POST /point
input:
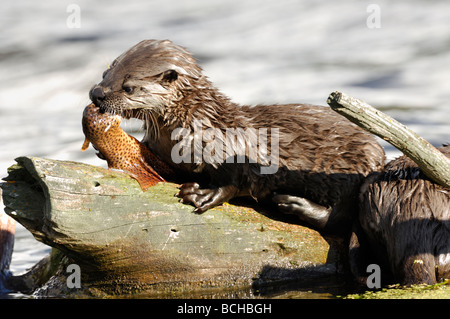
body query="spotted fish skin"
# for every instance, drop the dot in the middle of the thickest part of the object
(121, 150)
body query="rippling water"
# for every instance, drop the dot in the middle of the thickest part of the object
(255, 51)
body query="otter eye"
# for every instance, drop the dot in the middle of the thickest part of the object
(128, 89)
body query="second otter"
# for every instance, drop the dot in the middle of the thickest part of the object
(403, 226)
(323, 158)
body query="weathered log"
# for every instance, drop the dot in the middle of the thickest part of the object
(432, 162)
(126, 240)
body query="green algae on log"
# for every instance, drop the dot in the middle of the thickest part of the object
(127, 241)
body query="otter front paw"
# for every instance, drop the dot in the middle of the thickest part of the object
(204, 198)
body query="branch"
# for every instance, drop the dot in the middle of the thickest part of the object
(432, 162)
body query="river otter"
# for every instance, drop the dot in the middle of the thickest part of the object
(404, 226)
(317, 160)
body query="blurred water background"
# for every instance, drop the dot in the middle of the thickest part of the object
(393, 55)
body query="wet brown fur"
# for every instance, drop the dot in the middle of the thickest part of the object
(323, 157)
(404, 225)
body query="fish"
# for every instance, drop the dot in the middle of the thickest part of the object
(121, 150)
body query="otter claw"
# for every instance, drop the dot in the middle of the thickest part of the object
(202, 199)
(205, 198)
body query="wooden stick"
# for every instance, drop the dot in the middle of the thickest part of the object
(432, 162)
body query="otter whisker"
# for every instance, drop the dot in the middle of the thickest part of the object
(150, 122)
(155, 125)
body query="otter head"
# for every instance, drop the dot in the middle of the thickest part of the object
(146, 80)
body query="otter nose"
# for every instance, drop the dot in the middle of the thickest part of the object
(97, 95)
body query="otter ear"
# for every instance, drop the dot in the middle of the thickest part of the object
(169, 76)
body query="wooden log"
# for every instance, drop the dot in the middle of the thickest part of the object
(126, 240)
(432, 162)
